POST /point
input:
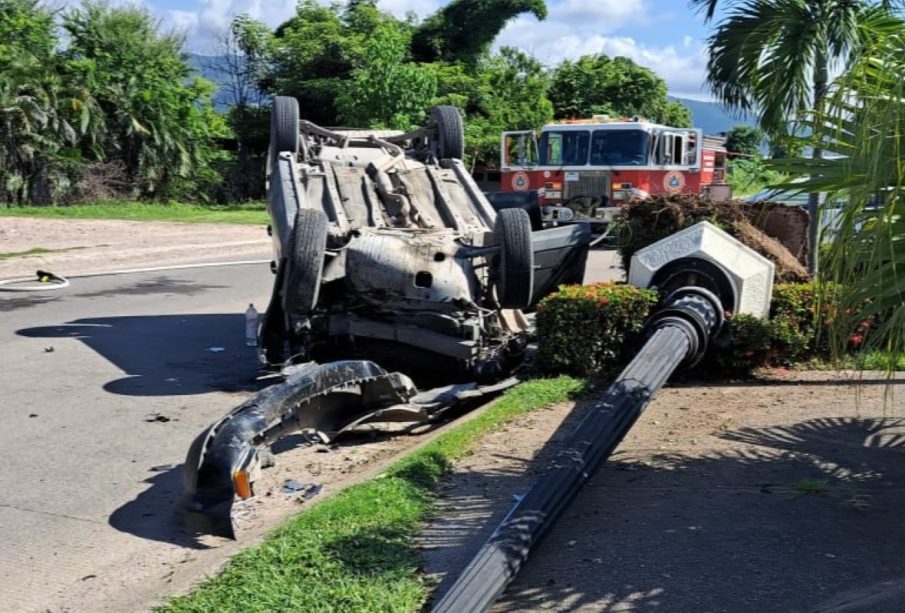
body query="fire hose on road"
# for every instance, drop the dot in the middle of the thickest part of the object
(703, 273)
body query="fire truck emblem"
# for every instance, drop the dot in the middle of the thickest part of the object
(673, 181)
(520, 181)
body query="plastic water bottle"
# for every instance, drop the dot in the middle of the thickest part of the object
(251, 326)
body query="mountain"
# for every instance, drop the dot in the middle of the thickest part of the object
(212, 68)
(712, 117)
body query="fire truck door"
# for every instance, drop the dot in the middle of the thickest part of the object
(518, 150)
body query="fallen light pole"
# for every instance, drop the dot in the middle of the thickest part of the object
(702, 273)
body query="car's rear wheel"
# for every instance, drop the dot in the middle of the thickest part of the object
(284, 125)
(516, 268)
(450, 133)
(305, 262)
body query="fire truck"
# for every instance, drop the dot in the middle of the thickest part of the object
(583, 169)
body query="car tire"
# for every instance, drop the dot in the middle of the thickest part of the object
(284, 125)
(450, 133)
(305, 262)
(515, 283)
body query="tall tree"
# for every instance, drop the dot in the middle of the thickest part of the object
(387, 90)
(159, 121)
(744, 139)
(597, 84)
(862, 122)
(464, 30)
(43, 111)
(773, 58)
(315, 52)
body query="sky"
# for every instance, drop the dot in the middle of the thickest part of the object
(664, 35)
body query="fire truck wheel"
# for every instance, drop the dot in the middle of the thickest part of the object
(450, 137)
(516, 270)
(284, 125)
(305, 262)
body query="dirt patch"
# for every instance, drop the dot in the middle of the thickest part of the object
(779, 496)
(80, 246)
(647, 221)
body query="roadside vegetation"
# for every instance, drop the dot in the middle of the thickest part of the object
(97, 103)
(244, 213)
(354, 551)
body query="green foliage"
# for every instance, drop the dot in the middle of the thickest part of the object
(253, 213)
(507, 91)
(751, 175)
(744, 139)
(862, 123)
(749, 346)
(387, 91)
(315, 53)
(597, 84)
(117, 93)
(793, 316)
(159, 123)
(772, 56)
(588, 330)
(355, 551)
(463, 30)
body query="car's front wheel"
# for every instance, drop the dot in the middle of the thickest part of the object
(515, 282)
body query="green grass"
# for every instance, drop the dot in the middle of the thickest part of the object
(354, 551)
(32, 251)
(868, 360)
(811, 486)
(252, 213)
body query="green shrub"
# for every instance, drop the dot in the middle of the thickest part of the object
(750, 343)
(587, 330)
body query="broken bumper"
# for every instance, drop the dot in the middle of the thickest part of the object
(223, 461)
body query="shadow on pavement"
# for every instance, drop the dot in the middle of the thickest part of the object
(158, 285)
(802, 517)
(166, 355)
(153, 514)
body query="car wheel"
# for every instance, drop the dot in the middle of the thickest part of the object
(284, 125)
(515, 282)
(305, 262)
(450, 136)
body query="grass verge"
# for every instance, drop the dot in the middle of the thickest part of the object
(251, 213)
(32, 251)
(353, 552)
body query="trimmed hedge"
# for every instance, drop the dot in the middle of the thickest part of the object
(588, 330)
(591, 330)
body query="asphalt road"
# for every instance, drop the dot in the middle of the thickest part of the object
(104, 386)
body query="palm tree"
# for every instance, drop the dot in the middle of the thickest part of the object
(774, 57)
(863, 120)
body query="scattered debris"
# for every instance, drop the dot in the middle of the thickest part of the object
(157, 417)
(49, 349)
(32, 414)
(306, 491)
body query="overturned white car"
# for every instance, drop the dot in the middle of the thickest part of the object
(388, 258)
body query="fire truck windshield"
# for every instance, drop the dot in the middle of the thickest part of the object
(566, 148)
(619, 148)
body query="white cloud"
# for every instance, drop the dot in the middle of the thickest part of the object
(422, 8)
(580, 27)
(203, 26)
(572, 28)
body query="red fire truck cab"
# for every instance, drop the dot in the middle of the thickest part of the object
(580, 168)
